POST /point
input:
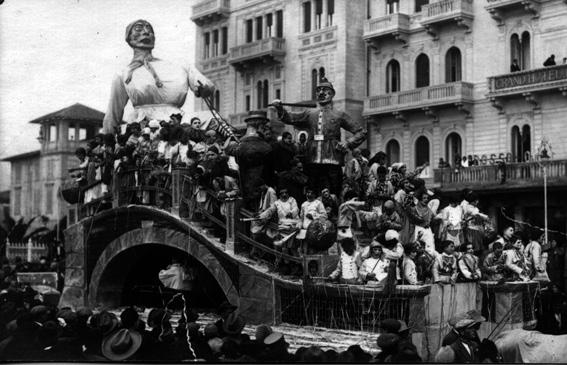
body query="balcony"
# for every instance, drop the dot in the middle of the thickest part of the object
(497, 8)
(392, 25)
(527, 84)
(502, 177)
(210, 11)
(456, 94)
(267, 51)
(442, 12)
(214, 64)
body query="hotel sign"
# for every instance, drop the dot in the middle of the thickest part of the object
(533, 77)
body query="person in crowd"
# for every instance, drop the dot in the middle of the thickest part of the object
(445, 267)
(420, 215)
(331, 203)
(469, 269)
(452, 223)
(311, 209)
(536, 259)
(325, 156)
(251, 154)
(276, 349)
(515, 67)
(347, 212)
(375, 268)
(505, 239)
(516, 264)
(389, 219)
(294, 180)
(493, 265)
(550, 61)
(465, 348)
(474, 221)
(409, 269)
(284, 152)
(347, 270)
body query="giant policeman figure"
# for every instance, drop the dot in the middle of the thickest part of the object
(325, 150)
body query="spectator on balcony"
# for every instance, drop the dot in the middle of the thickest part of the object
(294, 181)
(515, 67)
(464, 162)
(442, 164)
(445, 267)
(493, 265)
(550, 61)
(468, 264)
(347, 270)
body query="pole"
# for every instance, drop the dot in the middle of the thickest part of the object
(545, 202)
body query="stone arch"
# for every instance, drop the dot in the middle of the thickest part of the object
(167, 237)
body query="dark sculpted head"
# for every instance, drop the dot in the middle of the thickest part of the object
(140, 34)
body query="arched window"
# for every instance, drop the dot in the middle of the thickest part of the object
(393, 151)
(422, 151)
(265, 95)
(521, 143)
(520, 50)
(453, 148)
(321, 73)
(453, 70)
(422, 71)
(259, 94)
(516, 144)
(526, 141)
(393, 76)
(216, 100)
(392, 6)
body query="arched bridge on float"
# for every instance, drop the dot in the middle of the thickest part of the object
(106, 253)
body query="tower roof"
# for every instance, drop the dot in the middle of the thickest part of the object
(76, 111)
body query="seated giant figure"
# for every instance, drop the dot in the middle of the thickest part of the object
(156, 88)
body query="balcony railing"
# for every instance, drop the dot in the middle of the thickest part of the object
(396, 25)
(212, 64)
(497, 8)
(264, 50)
(210, 10)
(503, 176)
(459, 11)
(438, 95)
(538, 80)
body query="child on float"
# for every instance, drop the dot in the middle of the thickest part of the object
(349, 263)
(468, 264)
(445, 266)
(493, 264)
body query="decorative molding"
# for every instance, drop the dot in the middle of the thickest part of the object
(532, 100)
(431, 113)
(496, 103)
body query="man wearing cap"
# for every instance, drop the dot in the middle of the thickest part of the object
(251, 154)
(325, 151)
(156, 88)
(465, 348)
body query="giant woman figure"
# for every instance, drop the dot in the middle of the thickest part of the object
(155, 87)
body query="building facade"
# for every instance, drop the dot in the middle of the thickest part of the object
(430, 79)
(37, 176)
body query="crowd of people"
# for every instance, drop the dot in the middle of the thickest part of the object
(32, 330)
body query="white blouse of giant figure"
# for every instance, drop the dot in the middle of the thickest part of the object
(155, 87)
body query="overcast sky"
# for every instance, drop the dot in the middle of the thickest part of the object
(54, 53)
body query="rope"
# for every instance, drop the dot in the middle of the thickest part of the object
(503, 211)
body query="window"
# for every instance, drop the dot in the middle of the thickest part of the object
(224, 40)
(520, 50)
(453, 149)
(392, 6)
(265, 95)
(52, 133)
(318, 13)
(419, 5)
(521, 143)
(393, 151)
(321, 73)
(422, 71)
(393, 76)
(17, 201)
(216, 100)
(269, 25)
(48, 198)
(215, 43)
(259, 94)
(306, 16)
(249, 31)
(72, 132)
(259, 25)
(330, 12)
(82, 134)
(278, 94)
(247, 106)
(453, 65)
(279, 23)
(207, 48)
(422, 151)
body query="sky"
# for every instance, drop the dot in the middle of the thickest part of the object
(55, 53)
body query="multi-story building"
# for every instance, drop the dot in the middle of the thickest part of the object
(37, 175)
(431, 79)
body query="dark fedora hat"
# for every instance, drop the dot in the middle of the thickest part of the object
(121, 344)
(233, 324)
(256, 115)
